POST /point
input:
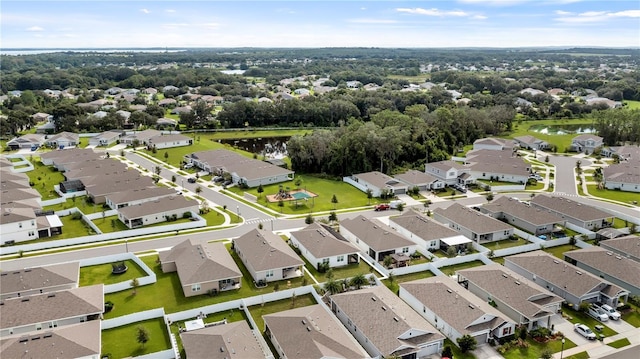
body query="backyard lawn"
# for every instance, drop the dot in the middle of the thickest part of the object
(110, 224)
(167, 292)
(535, 349)
(79, 202)
(101, 273)
(347, 271)
(450, 270)
(632, 316)
(73, 228)
(257, 311)
(507, 243)
(632, 104)
(120, 342)
(347, 195)
(558, 251)
(621, 196)
(395, 285)
(44, 178)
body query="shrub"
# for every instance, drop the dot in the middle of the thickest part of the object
(108, 306)
(187, 214)
(447, 352)
(583, 307)
(467, 343)
(541, 332)
(76, 216)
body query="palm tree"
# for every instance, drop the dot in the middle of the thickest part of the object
(598, 176)
(198, 189)
(358, 280)
(134, 284)
(332, 286)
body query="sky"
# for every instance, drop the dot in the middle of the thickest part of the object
(304, 23)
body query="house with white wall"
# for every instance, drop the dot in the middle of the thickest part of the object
(322, 245)
(375, 238)
(577, 213)
(428, 234)
(472, 224)
(157, 211)
(520, 215)
(169, 141)
(586, 143)
(449, 172)
(38, 280)
(422, 180)
(622, 177)
(376, 182)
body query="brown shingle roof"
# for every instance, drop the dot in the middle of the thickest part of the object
(39, 278)
(160, 205)
(265, 250)
(375, 234)
(570, 208)
(415, 177)
(521, 211)
(228, 341)
(140, 194)
(609, 263)
(245, 167)
(423, 226)
(312, 332)
(380, 179)
(472, 219)
(627, 244)
(323, 242)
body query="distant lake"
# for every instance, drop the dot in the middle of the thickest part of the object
(272, 147)
(233, 72)
(562, 129)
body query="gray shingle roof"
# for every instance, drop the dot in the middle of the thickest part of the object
(312, 332)
(472, 219)
(228, 341)
(623, 172)
(39, 278)
(140, 194)
(375, 234)
(230, 161)
(627, 244)
(265, 250)
(423, 226)
(570, 208)
(323, 242)
(609, 263)
(379, 179)
(521, 211)
(158, 206)
(415, 178)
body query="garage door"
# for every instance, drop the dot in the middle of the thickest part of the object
(481, 339)
(430, 349)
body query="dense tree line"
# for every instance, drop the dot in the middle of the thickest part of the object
(619, 126)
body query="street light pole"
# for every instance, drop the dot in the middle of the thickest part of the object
(562, 350)
(126, 245)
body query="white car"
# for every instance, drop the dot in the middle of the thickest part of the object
(612, 313)
(597, 313)
(584, 331)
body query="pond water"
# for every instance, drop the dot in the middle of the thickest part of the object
(562, 129)
(272, 147)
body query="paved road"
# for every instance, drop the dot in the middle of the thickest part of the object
(565, 178)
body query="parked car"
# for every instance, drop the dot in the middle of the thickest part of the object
(381, 207)
(192, 180)
(597, 313)
(227, 182)
(584, 331)
(612, 313)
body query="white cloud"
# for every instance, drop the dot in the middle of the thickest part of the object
(433, 12)
(494, 2)
(479, 17)
(35, 29)
(145, 11)
(170, 11)
(596, 16)
(563, 13)
(371, 21)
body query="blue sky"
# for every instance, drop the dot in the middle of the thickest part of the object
(454, 23)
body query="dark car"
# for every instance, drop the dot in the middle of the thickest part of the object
(191, 180)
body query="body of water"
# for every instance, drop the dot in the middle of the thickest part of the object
(562, 129)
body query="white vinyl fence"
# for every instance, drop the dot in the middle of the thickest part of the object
(150, 278)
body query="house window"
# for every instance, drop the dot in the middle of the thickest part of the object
(506, 331)
(269, 274)
(196, 287)
(325, 261)
(432, 244)
(340, 258)
(39, 326)
(405, 250)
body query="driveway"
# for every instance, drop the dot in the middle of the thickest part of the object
(565, 181)
(566, 327)
(486, 351)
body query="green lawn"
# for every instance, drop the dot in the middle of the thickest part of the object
(507, 243)
(620, 343)
(449, 270)
(79, 202)
(632, 104)
(101, 273)
(560, 141)
(581, 355)
(257, 311)
(167, 292)
(535, 349)
(72, 228)
(347, 195)
(347, 271)
(395, 285)
(44, 178)
(110, 224)
(621, 196)
(558, 251)
(580, 317)
(633, 316)
(121, 342)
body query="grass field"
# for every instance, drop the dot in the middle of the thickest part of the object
(73, 228)
(110, 224)
(450, 270)
(632, 105)
(395, 285)
(347, 195)
(121, 342)
(560, 141)
(44, 178)
(558, 251)
(535, 349)
(101, 273)
(581, 355)
(507, 243)
(620, 343)
(581, 317)
(347, 271)
(79, 202)
(633, 316)
(257, 311)
(621, 196)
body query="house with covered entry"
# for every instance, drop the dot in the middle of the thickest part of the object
(422, 180)
(531, 219)
(157, 211)
(428, 234)
(450, 172)
(105, 138)
(385, 325)
(377, 240)
(586, 143)
(322, 245)
(169, 141)
(63, 140)
(132, 197)
(267, 257)
(501, 166)
(577, 213)
(30, 140)
(472, 224)
(203, 268)
(493, 144)
(615, 268)
(376, 182)
(523, 301)
(233, 340)
(454, 311)
(529, 142)
(622, 177)
(574, 285)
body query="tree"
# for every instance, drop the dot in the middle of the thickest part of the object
(447, 352)
(260, 190)
(298, 182)
(329, 272)
(400, 207)
(173, 178)
(467, 343)
(546, 159)
(572, 241)
(142, 335)
(198, 189)
(166, 156)
(489, 197)
(369, 195)
(332, 286)
(157, 170)
(333, 216)
(598, 177)
(358, 280)
(134, 284)
(308, 219)
(387, 261)
(334, 200)
(546, 354)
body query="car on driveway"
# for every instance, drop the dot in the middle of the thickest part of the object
(612, 313)
(584, 331)
(381, 207)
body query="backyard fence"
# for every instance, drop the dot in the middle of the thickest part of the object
(586, 232)
(150, 278)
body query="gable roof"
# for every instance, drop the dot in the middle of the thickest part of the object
(227, 341)
(379, 179)
(70, 155)
(560, 273)
(415, 178)
(41, 308)
(608, 263)
(168, 138)
(515, 291)
(385, 319)
(570, 208)
(69, 136)
(623, 173)
(70, 341)
(446, 165)
(265, 250)
(160, 205)
(588, 136)
(528, 139)
(493, 141)
(12, 215)
(526, 213)
(322, 241)
(458, 307)
(232, 162)
(140, 194)
(423, 226)
(472, 219)
(312, 332)
(630, 245)
(375, 234)
(39, 278)
(201, 263)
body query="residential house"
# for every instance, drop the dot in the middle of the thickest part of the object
(529, 142)
(17, 224)
(133, 197)
(226, 341)
(377, 182)
(243, 170)
(105, 138)
(30, 140)
(503, 166)
(624, 153)
(623, 177)
(472, 224)
(167, 102)
(454, 311)
(586, 143)
(609, 233)
(449, 172)
(615, 268)
(385, 325)
(581, 215)
(531, 219)
(628, 246)
(202, 268)
(142, 137)
(41, 117)
(89, 170)
(62, 158)
(322, 245)
(565, 280)
(267, 257)
(98, 188)
(427, 233)
(493, 144)
(310, 332)
(523, 301)
(157, 211)
(40, 312)
(38, 280)
(76, 341)
(377, 239)
(422, 180)
(603, 101)
(169, 141)
(63, 139)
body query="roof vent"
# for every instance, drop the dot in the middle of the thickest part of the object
(23, 340)
(505, 275)
(396, 319)
(308, 329)
(517, 283)
(471, 306)
(556, 261)
(578, 272)
(221, 350)
(449, 290)
(618, 257)
(25, 300)
(384, 308)
(609, 253)
(51, 296)
(304, 322)
(373, 299)
(47, 335)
